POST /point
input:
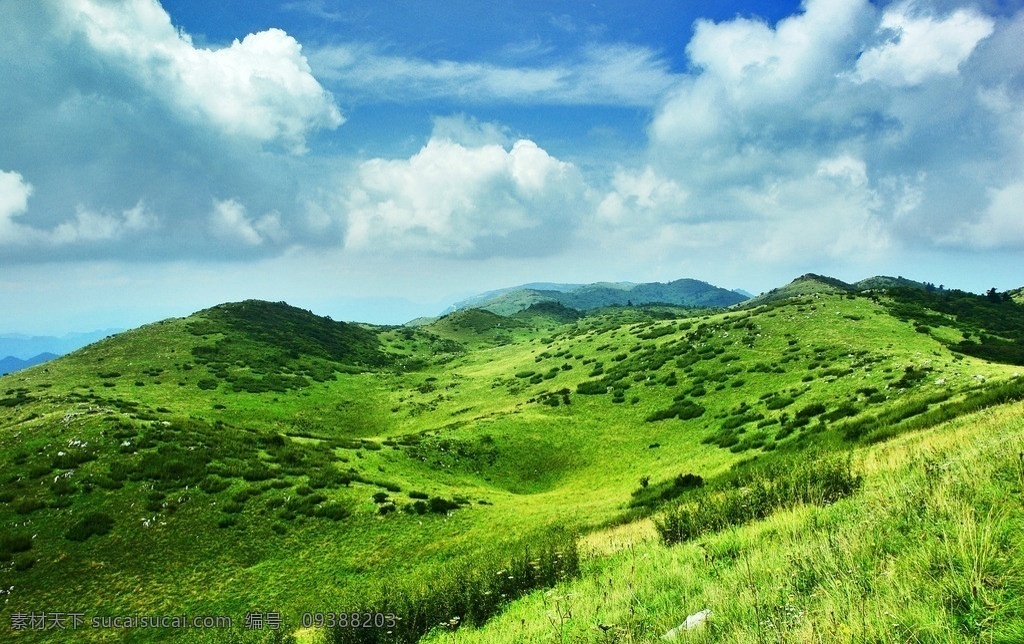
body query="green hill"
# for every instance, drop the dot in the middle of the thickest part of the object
(809, 284)
(1017, 295)
(885, 282)
(255, 457)
(586, 297)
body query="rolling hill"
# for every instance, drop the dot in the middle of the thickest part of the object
(545, 474)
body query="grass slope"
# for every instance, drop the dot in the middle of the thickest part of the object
(255, 457)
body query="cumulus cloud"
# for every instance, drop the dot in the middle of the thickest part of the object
(229, 221)
(921, 46)
(640, 198)
(14, 194)
(86, 226)
(453, 199)
(845, 129)
(1001, 225)
(259, 87)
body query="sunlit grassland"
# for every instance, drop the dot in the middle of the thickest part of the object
(494, 419)
(929, 550)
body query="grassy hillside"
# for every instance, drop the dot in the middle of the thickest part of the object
(256, 457)
(928, 550)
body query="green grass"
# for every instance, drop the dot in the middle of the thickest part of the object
(261, 466)
(927, 551)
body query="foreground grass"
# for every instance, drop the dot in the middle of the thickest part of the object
(928, 551)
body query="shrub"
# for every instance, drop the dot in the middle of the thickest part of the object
(683, 410)
(814, 409)
(591, 387)
(28, 505)
(336, 511)
(94, 523)
(440, 505)
(214, 484)
(11, 544)
(779, 402)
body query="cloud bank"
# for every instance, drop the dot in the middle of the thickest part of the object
(844, 130)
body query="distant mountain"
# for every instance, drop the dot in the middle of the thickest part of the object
(585, 297)
(1017, 295)
(26, 347)
(10, 364)
(473, 301)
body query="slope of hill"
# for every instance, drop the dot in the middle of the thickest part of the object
(1017, 295)
(256, 457)
(586, 297)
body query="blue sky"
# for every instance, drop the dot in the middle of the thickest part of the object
(377, 161)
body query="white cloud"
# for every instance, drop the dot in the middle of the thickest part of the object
(749, 75)
(921, 47)
(230, 221)
(87, 225)
(599, 75)
(469, 131)
(259, 87)
(92, 226)
(778, 127)
(14, 194)
(830, 214)
(1001, 225)
(639, 198)
(452, 199)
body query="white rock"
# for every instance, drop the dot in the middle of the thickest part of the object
(692, 622)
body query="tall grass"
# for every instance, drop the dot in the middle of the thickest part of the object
(467, 593)
(756, 493)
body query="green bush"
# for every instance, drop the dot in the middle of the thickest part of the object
(591, 387)
(12, 544)
(779, 402)
(334, 511)
(440, 505)
(683, 410)
(94, 523)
